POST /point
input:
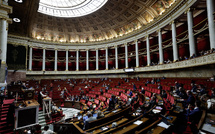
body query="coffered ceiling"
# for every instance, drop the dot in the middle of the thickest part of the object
(116, 18)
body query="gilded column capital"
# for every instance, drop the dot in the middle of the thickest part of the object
(189, 9)
(3, 62)
(147, 36)
(159, 30)
(172, 22)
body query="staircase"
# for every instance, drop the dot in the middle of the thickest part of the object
(42, 120)
(5, 128)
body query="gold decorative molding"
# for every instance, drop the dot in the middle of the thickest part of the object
(3, 62)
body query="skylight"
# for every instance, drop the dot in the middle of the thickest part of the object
(69, 8)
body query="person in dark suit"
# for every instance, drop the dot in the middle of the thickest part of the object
(201, 90)
(193, 116)
(134, 87)
(182, 94)
(159, 86)
(143, 91)
(193, 87)
(190, 99)
(112, 102)
(163, 94)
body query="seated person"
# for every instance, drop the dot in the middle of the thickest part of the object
(213, 93)
(47, 130)
(190, 99)
(90, 118)
(55, 108)
(100, 114)
(201, 90)
(182, 94)
(143, 91)
(163, 94)
(129, 102)
(130, 93)
(193, 87)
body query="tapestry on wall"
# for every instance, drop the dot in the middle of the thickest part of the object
(16, 57)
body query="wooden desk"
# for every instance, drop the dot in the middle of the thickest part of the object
(158, 129)
(110, 125)
(130, 127)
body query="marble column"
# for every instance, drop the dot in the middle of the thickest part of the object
(174, 42)
(3, 40)
(30, 58)
(67, 60)
(192, 45)
(116, 57)
(87, 59)
(137, 53)
(211, 25)
(148, 51)
(77, 60)
(44, 60)
(97, 59)
(55, 61)
(160, 46)
(4, 20)
(126, 55)
(106, 58)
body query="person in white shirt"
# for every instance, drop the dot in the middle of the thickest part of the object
(47, 131)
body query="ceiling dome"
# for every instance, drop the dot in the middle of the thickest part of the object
(115, 19)
(69, 8)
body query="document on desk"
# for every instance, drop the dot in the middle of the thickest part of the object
(208, 128)
(138, 122)
(164, 125)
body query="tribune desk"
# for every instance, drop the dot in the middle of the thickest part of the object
(26, 114)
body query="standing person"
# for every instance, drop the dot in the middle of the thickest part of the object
(134, 87)
(40, 97)
(112, 102)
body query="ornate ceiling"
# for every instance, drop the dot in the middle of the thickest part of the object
(116, 18)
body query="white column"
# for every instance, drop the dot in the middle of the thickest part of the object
(137, 53)
(211, 25)
(30, 59)
(106, 58)
(97, 59)
(77, 60)
(148, 51)
(190, 32)
(116, 57)
(67, 60)
(87, 59)
(3, 40)
(174, 42)
(126, 55)
(55, 61)
(160, 46)
(44, 59)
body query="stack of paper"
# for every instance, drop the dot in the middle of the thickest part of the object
(164, 125)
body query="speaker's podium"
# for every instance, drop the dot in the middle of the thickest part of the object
(26, 114)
